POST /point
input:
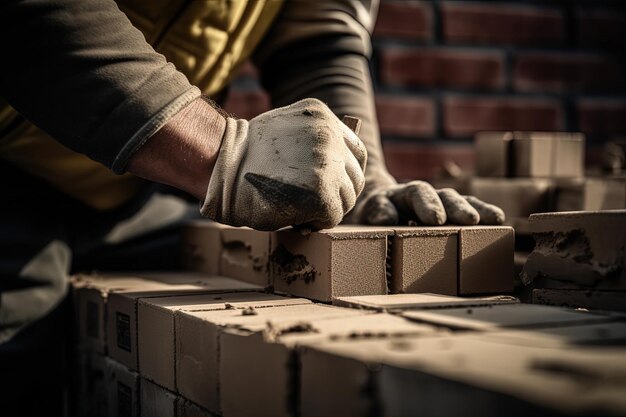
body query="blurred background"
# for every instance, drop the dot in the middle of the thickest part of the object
(444, 70)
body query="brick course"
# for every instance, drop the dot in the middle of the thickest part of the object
(405, 20)
(438, 68)
(501, 24)
(463, 116)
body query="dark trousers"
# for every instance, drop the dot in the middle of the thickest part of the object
(45, 236)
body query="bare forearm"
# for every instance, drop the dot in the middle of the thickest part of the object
(183, 153)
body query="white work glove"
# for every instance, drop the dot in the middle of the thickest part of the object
(418, 201)
(294, 165)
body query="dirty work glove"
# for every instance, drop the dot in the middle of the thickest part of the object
(294, 165)
(418, 201)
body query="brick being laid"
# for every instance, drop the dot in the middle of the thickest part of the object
(343, 261)
(452, 260)
(424, 259)
(578, 250)
(121, 307)
(262, 366)
(199, 356)
(156, 327)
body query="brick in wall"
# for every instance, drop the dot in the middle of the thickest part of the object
(546, 71)
(410, 161)
(247, 104)
(405, 116)
(602, 116)
(601, 27)
(430, 67)
(500, 24)
(404, 20)
(464, 116)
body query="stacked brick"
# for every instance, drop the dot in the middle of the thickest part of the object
(206, 345)
(445, 70)
(353, 261)
(578, 260)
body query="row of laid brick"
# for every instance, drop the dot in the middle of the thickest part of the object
(462, 116)
(501, 23)
(357, 260)
(265, 357)
(106, 388)
(462, 69)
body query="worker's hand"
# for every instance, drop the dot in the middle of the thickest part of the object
(419, 201)
(295, 165)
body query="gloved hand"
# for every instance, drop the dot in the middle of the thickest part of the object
(294, 165)
(418, 201)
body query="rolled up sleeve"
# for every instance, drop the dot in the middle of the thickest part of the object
(80, 71)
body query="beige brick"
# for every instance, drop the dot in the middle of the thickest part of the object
(198, 339)
(495, 317)
(486, 259)
(90, 294)
(424, 259)
(186, 408)
(578, 250)
(122, 390)
(245, 255)
(584, 298)
(518, 197)
(530, 154)
(156, 401)
(331, 263)
(567, 336)
(262, 366)
(590, 194)
(201, 246)
(90, 389)
(418, 375)
(121, 312)
(156, 326)
(496, 378)
(419, 301)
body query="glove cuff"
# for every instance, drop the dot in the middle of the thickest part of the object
(219, 201)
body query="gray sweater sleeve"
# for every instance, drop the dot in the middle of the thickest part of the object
(80, 71)
(321, 49)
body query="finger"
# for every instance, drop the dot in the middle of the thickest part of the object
(425, 203)
(458, 209)
(379, 211)
(355, 174)
(489, 214)
(355, 145)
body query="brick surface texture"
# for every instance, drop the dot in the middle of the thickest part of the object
(444, 70)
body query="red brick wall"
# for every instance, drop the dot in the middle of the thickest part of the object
(444, 70)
